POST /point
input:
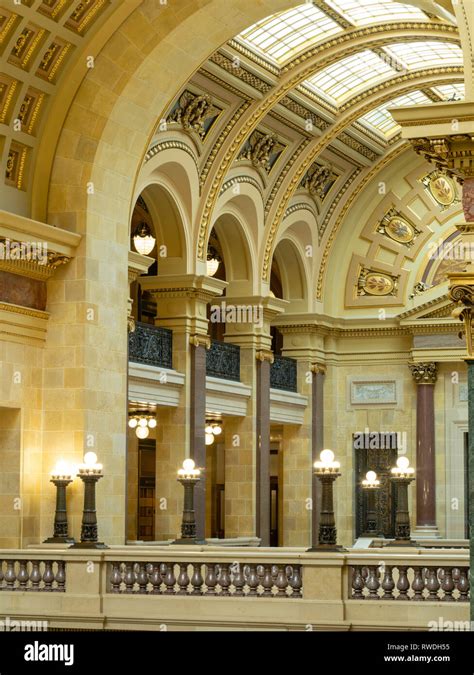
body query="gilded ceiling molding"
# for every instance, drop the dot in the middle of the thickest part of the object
(321, 143)
(390, 157)
(224, 84)
(253, 56)
(171, 145)
(241, 179)
(304, 67)
(340, 193)
(244, 75)
(301, 206)
(283, 173)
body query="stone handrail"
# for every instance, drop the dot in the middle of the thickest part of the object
(140, 587)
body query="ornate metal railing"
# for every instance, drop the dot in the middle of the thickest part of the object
(214, 579)
(152, 345)
(283, 374)
(223, 361)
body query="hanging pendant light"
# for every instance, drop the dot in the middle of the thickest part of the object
(143, 238)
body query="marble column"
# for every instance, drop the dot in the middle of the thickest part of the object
(264, 361)
(425, 375)
(317, 443)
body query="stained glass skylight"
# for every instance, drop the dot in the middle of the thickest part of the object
(364, 12)
(282, 36)
(346, 77)
(426, 53)
(450, 91)
(381, 119)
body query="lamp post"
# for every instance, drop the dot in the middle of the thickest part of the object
(188, 476)
(370, 485)
(402, 476)
(327, 470)
(90, 473)
(61, 477)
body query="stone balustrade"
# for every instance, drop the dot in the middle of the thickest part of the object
(181, 587)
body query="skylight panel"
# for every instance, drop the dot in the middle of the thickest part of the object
(426, 53)
(282, 36)
(364, 12)
(381, 119)
(344, 78)
(450, 91)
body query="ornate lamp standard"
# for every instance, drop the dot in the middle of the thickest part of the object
(61, 477)
(402, 476)
(370, 485)
(90, 473)
(188, 476)
(327, 470)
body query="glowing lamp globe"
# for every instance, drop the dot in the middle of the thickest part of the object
(327, 456)
(90, 458)
(142, 432)
(371, 476)
(403, 463)
(132, 422)
(188, 465)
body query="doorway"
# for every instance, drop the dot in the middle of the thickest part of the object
(146, 490)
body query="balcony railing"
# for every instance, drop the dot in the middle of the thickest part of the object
(223, 361)
(188, 587)
(151, 345)
(283, 374)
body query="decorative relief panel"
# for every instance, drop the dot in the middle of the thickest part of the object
(29, 110)
(318, 180)
(374, 282)
(84, 15)
(441, 188)
(376, 391)
(398, 228)
(8, 89)
(26, 45)
(53, 59)
(263, 150)
(54, 9)
(195, 113)
(16, 161)
(8, 21)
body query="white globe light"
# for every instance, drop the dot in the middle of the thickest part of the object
(90, 458)
(371, 476)
(403, 462)
(132, 422)
(327, 456)
(188, 465)
(142, 432)
(143, 239)
(152, 422)
(212, 266)
(209, 439)
(142, 422)
(217, 430)
(208, 429)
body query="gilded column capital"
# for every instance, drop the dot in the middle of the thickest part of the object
(318, 368)
(424, 373)
(200, 341)
(265, 355)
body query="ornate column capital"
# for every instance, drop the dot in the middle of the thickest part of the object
(424, 373)
(318, 368)
(200, 341)
(264, 355)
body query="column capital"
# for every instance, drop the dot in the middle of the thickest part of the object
(200, 341)
(318, 368)
(138, 264)
(424, 373)
(265, 355)
(198, 287)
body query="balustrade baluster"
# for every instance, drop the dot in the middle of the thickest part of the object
(239, 580)
(447, 585)
(432, 584)
(183, 579)
(463, 584)
(403, 584)
(196, 579)
(142, 578)
(388, 584)
(281, 582)
(373, 583)
(156, 579)
(357, 583)
(116, 577)
(48, 576)
(1, 575)
(267, 581)
(252, 580)
(211, 579)
(129, 577)
(61, 577)
(10, 575)
(418, 584)
(170, 579)
(296, 581)
(224, 579)
(23, 575)
(35, 576)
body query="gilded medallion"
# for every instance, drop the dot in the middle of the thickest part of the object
(378, 284)
(400, 230)
(443, 190)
